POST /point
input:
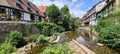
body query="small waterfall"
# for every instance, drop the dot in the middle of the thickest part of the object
(62, 38)
(57, 40)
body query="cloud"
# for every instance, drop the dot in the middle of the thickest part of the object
(74, 5)
(60, 4)
(42, 2)
(78, 13)
(79, 5)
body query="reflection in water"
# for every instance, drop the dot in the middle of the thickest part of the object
(63, 38)
(83, 37)
(37, 49)
(82, 40)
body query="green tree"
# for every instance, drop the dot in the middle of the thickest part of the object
(74, 23)
(65, 17)
(53, 13)
(65, 12)
(69, 23)
(48, 29)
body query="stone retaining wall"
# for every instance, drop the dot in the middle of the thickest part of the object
(25, 28)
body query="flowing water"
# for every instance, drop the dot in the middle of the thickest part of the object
(37, 49)
(82, 37)
(85, 38)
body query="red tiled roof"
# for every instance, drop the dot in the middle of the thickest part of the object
(42, 9)
(25, 5)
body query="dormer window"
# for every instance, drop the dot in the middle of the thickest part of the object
(37, 12)
(29, 4)
(29, 9)
(21, 1)
(19, 6)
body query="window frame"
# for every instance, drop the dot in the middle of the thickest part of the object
(21, 1)
(29, 9)
(19, 6)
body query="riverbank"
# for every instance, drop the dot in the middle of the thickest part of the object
(99, 48)
(89, 42)
(80, 35)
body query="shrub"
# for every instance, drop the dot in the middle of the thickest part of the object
(56, 34)
(48, 29)
(41, 39)
(7, 48)
(13, 38)
(31, 38)
(37, 38)
(57, 49)
(109, 31)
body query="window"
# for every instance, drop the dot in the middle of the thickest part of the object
(29, 9)
(37, 12)
(21, 1)
(22, 15)
(29, 5)
(2, 10)
(14, 12)
(19, 6)
(36, 18)
(18, 14)
(40, 18)
(32, 17)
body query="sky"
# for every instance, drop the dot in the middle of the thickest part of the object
(77, 8)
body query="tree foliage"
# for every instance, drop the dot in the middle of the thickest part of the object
(7, 48)
(109, 31)
(11, 41)
(62, 17)
(41, 39)
(65, 12)
(48, 29)
(13, 37)
(53, 13)
(69, 23)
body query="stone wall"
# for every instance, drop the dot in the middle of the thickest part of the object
(26, 29)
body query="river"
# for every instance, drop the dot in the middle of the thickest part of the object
(85, 38)
(82, 37)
